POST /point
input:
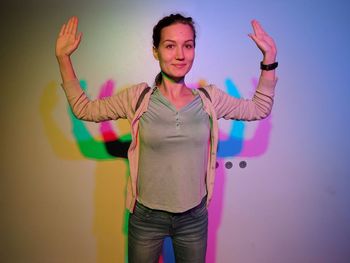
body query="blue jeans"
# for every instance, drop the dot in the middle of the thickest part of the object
(149, 227)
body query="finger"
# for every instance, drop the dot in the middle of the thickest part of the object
(75, 26)
(79, 37)
(70, 25)
(254, 27)
(258, 28)
(258, 42)
(254, 38)
(77, 40)
(62, 31)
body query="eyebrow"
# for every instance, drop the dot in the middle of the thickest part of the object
(173, 41)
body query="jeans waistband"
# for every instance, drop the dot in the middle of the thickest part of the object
(202, 203)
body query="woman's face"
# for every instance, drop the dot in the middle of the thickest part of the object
(176, 50)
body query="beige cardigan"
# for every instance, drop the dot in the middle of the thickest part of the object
(122, 105)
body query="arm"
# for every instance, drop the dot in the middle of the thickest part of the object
(98, 110)
(257, 108)
(260, 105)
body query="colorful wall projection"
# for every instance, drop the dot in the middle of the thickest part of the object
(282, 184)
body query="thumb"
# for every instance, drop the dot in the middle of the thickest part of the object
(77, 40)
(253, 37)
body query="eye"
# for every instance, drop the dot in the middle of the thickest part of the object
(189, 46)
(170, 46)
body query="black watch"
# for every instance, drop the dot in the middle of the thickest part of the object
(269, 66)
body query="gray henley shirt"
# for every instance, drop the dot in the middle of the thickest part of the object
(173, 154)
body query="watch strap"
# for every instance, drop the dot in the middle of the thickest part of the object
(269, 66)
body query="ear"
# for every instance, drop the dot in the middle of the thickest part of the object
(155, 53)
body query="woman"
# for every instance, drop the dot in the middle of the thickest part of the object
(174, 130)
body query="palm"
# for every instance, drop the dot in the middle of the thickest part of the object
(68, 40)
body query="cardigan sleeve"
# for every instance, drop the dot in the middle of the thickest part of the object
(109, 108)
(256, 108)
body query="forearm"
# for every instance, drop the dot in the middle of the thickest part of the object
(66, 68)
(75, 95)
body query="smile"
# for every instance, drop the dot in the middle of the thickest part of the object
(179, 65)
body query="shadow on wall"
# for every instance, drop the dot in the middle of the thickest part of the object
(110, 154)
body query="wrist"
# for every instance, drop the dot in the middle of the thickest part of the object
(62, 58)
(269, 58)
(268, 67)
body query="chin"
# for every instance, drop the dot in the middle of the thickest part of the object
(175, 75)
(178, 75)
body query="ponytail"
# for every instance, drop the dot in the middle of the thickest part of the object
(158, 79)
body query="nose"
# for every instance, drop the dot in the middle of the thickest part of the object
(179, 53)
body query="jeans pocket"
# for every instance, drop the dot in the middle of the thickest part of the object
(199, 211)
(142, 212)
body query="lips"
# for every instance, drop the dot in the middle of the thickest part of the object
(179, 65)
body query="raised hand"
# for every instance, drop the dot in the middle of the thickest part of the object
(264, 42)
(68, 39)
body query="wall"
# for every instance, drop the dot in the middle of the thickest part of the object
(62, 193)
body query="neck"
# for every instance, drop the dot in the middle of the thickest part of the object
(171, 86)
